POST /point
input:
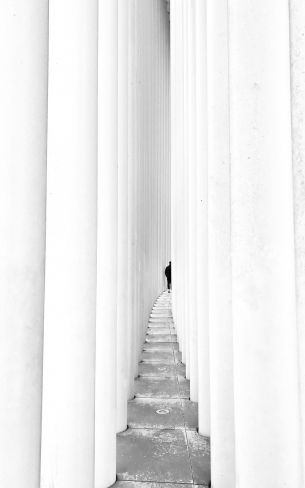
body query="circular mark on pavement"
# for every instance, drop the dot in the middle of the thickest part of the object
(162, 411)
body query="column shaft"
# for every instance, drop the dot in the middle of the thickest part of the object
(132, 189)
(219, 250)
(186, 174)
(69, 338)
(202, 221)
(106, 336)
(122, 327)
(297, 62)
(181, 298)
(265, 349)
(174, 157)
(192, 199)
(23, 124)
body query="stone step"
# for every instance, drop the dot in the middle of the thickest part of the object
(158, 356)
(159, 330)
(160, 346)
(158, 413)
(154, 455)
(157, 370)
(160, 316)
(161, 388)
(161, 338)
(161, 369)
(166, 310)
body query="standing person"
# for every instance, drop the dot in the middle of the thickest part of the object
(168, 274)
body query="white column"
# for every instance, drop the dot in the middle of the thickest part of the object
(23, 123)
(297, 59)
(168, 137)
(219, 252)
(141, 17)
(178, 101)
(192, 200)
(136, 210)
(69, 338)
(132, 188)
(160, 101)
(122, 326)
(185, 183)
(174, 157)
(202, 221)
(107, 250)
(156, 61)
(267, 420)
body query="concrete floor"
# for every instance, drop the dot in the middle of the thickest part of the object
(161, 447)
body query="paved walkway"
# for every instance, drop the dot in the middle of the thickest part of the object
(161, 444)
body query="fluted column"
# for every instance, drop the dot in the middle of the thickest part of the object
(107, 249)
(263, 284)
(23, 124)
(202, 220)
(219, 252)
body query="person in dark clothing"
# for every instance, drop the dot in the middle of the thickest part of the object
(168, 274)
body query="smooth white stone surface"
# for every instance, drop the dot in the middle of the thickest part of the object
(132, 189)
(202, 220)
(263, 267)
(297, 66)
(107, 247)
(192, 215)
(122, 303)
(219, 251)
(69, 339)
(185, 181)
(23, 128)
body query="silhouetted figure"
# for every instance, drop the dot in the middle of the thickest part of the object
(168, 274)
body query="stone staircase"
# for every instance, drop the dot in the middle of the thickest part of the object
(161, 444)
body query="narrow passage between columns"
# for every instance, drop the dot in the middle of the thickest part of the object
(161, 444)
